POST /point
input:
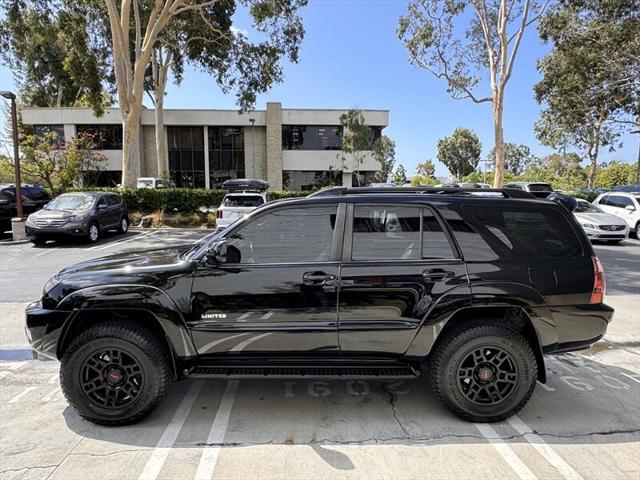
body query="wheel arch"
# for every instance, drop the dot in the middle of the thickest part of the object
(141, 305)
(515, 317)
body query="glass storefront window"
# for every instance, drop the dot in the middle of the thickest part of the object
(186, 156)
(303, 180)
(226, 154)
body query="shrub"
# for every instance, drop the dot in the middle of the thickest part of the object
(184, 200)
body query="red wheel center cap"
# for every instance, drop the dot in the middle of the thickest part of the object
(114, 376)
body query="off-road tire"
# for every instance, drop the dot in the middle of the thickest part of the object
(153, 358)
(456, 346)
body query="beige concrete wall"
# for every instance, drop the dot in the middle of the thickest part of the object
(274, 145)
(261, 152)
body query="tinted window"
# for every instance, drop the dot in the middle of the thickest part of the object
(528, 232)
(53, 133)
(113, 200)
(604, 200)
(242, 201)
(311, 137)
(473, 245)
(283, 236)
(619, 201)
(186, 156)
(386, 233)
(434, 242)
(103, 137)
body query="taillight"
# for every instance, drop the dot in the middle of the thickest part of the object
(599, 284)
(218, 213)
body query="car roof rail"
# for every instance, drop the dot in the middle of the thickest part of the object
(480, 192)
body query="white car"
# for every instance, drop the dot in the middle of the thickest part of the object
(624, 205)
(152, 182)
(245, 195)
(599, 225)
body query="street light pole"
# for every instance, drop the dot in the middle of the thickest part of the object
(253, 144)
(16, 159)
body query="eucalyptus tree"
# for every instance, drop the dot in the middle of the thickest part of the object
(467, 43)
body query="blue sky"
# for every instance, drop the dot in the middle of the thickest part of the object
(351, 57)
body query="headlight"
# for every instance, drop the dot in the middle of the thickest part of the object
(51, 283)
(77, 218)
(588, 225)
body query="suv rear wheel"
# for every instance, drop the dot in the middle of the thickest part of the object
(115, 374)
(123, 227)
(483, 372)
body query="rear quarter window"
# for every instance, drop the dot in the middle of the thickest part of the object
(526, 231)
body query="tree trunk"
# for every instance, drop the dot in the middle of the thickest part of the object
(498, 178)
(161, 157)
(593, 152)
(131, 146)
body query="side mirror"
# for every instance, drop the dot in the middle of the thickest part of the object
(217, 253)
(630, 208)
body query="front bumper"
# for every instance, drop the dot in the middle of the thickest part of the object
(73, 229)
(43, 328)
(598, 234)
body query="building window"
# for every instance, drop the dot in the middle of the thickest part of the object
(103, 137)
(311, 137)
(299, 180)
(43, 131)
(363, 179)
(226, 154)
(103, 178)
(186, 156)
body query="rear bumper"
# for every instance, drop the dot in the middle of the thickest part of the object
(579, 326)
(43, 328)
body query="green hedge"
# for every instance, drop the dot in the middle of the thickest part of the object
(176, 199)
(589, 197)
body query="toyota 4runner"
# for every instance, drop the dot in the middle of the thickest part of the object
(468, 290)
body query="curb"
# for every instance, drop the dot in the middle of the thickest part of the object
(12, 242)
(194, 229)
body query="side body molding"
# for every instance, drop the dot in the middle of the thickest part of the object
(132, 297)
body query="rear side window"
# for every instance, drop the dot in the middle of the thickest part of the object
(604, 200)
(386, 232)
(528, 232)
(540, 187)
(619, 201)
(393, 232)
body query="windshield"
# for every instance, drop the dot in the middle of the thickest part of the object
(242, 201)
(586, 207)
(71, 202)
(540, 187)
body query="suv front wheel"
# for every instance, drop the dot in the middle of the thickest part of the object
(483, 372)
(115, 374)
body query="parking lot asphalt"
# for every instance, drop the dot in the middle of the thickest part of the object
(584, 423)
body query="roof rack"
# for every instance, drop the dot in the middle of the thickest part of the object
(505, 192)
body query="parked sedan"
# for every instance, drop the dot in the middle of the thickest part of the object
(600, 225)
(81, 215)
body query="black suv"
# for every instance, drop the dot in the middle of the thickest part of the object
(471, 286)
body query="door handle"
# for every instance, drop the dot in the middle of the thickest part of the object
(436, 274)
(317, 278)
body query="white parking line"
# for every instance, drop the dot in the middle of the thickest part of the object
(267, 316)
(209, 458)
(130, 239)
(546, 387)
(48, 250)
(21, 394)
(163, 447)
(51, 395)
(543, 449)
(505, 451)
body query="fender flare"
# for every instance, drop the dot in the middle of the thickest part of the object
(127, 297)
